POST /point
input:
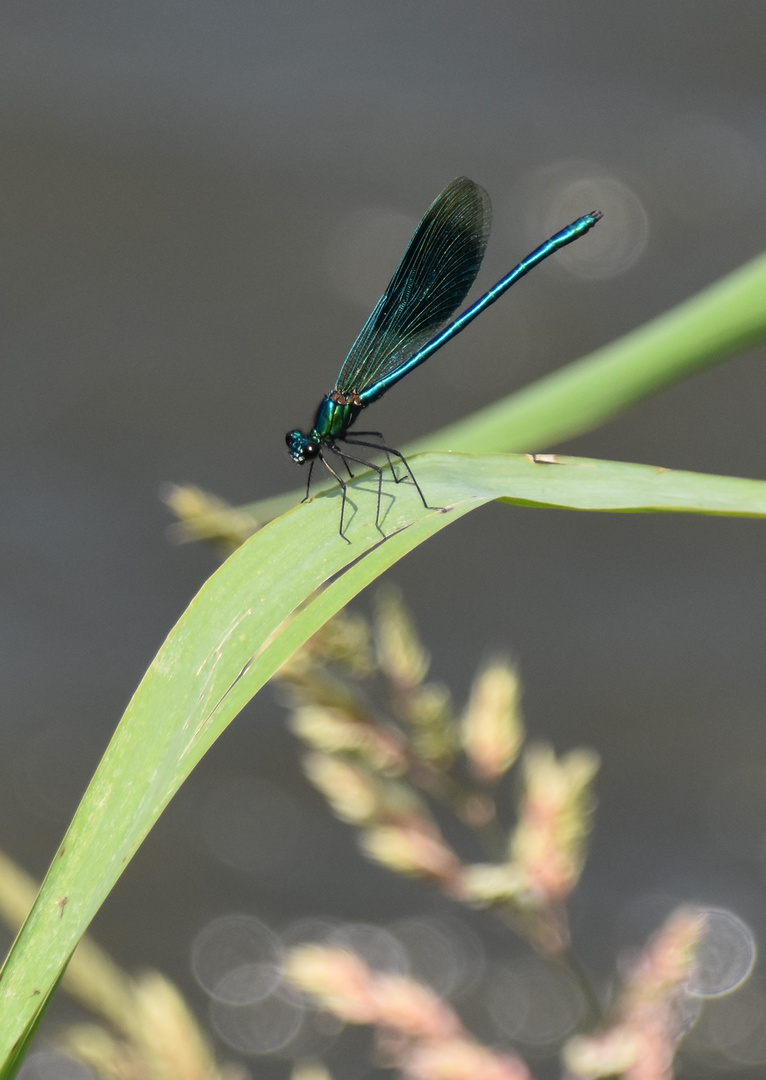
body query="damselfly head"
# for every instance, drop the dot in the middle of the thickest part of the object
(301, 447)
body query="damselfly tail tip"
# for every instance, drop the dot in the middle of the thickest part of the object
(596, 215)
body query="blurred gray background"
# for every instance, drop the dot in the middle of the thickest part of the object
(199, 204)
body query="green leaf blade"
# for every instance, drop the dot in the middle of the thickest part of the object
(247, 619)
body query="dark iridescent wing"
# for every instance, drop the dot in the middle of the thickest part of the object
(438, 268)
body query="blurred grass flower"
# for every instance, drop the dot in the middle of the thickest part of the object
(641, 1042)
(428, 714)
(460, 1059)
(163, 1040)
(368, 770)
(202, 516)
(310, 1069)
(401, 655)
(417, 1032)
(491, 730)
(417, 850)
(350, 790)
(333, 731)
(426, 709)
(549, 841)
(148, 1032)
(344, 642)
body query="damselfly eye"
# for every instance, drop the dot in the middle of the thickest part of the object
(301, 447)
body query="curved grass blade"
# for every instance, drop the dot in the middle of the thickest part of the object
(244, 622)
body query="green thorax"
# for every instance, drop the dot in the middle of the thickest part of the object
(335, 415)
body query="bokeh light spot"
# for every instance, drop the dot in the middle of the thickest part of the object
(236, 959)
(561, 193)
(532, 1003)
(379, 949)
(725, 956)
(250, 824)
(731, 1028)
(442, 952)
(261, 1028)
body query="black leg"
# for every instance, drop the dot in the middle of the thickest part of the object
(344, 489)
(397, 454)
(369, 465)
(308, 481)
(383, 449)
